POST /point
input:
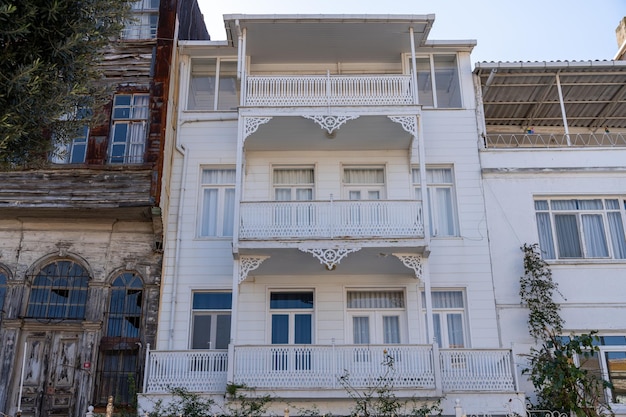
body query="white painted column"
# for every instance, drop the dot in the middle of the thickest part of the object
(413, 67)
(563, 114)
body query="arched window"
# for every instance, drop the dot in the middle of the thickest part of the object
(120, 346)
(125, 306)
(59, 291)
(3, 291)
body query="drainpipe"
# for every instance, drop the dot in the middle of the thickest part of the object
(182, 150)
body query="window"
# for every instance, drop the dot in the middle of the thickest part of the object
(376, 316)
(129, 130)
(438, 74)
(441, 200)
(210, 326)
(448, 318)
(120, 345)
(213, 85)
(59, 292)
(364, 183)
(292, 317)
(293, 184)
(144, 19)
(581, 228)
(74, 150)
(217, 202)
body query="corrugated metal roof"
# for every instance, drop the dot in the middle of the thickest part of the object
(525, 94)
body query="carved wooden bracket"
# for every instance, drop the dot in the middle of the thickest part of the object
(409, 123)
(330, 123)
(411, 261)
(329, 256)
(247, 264)
(251, 124)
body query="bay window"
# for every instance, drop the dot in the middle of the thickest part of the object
(438, 82)
(577, 228)
(440, 199)
(213, 85)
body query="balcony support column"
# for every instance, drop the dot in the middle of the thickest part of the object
(413, 67)
(234, 313)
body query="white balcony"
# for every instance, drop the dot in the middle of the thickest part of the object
(328, 90)
(297, 220)
(552, 140)
(320, 367)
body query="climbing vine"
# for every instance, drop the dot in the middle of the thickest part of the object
(557, 364)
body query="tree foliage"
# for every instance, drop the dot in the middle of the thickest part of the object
(561, 384)
(49, 55)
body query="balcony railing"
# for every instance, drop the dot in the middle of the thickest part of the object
(550, 140)
(328, 90)
(196, 370)
(320, 367)
(331, 219)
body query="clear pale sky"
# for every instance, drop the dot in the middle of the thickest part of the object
(506, 30)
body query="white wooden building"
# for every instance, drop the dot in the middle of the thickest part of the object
(554, 173)
(323, 206)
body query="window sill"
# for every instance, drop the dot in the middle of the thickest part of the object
(585, 261)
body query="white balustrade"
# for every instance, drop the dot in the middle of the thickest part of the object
(196, 370)
(476, 370)
(328, 90)
(331, 219)
(322, 366)
(552, 140)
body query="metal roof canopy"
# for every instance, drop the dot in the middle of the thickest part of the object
(324, 38)
(526, 94)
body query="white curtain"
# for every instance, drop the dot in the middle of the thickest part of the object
(209, 213)
(568, 239)
(363, 176)
(440, 200)
(595, 238)
(616, 227)
(375, 299)
(446, 299)
(229, 212)
(454, 322)
(391, 329)
(218, 176)
(136, 142)
(544, 229)
(361, 330)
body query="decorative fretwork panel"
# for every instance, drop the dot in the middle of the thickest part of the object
(329, 90)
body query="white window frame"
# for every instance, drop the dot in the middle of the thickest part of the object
(613, 236)
(434, 209)
(133, 142)
(365, 189)
(192, 90)
(376, 317)
(443, 339)
(432, 74)
(143, 22)
(222, 189)
(213, 313)
(294, 187)
(291, 313)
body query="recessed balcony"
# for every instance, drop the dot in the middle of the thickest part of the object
(328, 90)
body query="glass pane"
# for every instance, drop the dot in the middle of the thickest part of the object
(391, 329)
(375, 299)
(201, 338)
(222, 336)
(424, 81)
(617, 375)
(541, 205)
(616, 227)
(304, 194)
(229, 212)
(447, 81)
(446, 299)
(212, 301)
(218, 176)
(294, 176)
(228, 96)
(361, 330)
(291, 300)
(280, 329)
(202, 85)
(544, 228)
(282, 194)
(441, 209)
(455, 330)
(439, 176)
(568, 239)
(354, 195)
(373, 195)
(363, 176)
(437, 328)
(209, 213)
(303, 329)
(595, 239)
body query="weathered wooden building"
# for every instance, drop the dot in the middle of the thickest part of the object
(81, 239)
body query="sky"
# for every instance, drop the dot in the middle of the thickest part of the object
(505, 30)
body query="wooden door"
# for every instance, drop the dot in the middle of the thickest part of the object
(50, 383)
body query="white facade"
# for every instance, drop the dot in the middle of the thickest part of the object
(296, 242)
(553, 174)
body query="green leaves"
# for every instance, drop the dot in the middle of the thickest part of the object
(557, 365)
(49, 55)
